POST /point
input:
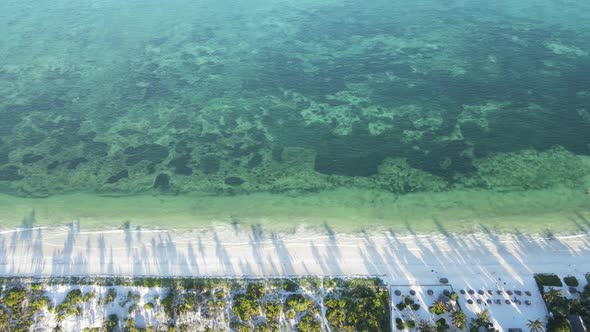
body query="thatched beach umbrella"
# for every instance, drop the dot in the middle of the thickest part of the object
(397, 292)
(480, 292)
(528, 293)
(471, 291)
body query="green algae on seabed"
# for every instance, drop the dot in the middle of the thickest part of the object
(558, 210)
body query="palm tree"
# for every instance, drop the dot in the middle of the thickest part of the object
(483, 317)
(425, 326)
(552, 295)
(459, 319)
(535, 326)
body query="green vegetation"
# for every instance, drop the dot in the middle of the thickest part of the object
(438, 308)
(70, 305)
(482, 320)
(561, 308)
(535, 326)
(459, 319)
(19, 305)
(571, 281)
(360, 307)
(309, 324)
(245, 305)
(548, 280)
(111, 295)
(88, 296)
(299, 303)
(441, 325)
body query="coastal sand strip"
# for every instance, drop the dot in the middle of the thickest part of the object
(227, 251)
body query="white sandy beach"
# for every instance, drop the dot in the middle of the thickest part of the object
(469, 261)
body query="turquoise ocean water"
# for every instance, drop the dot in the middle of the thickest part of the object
(281, 100)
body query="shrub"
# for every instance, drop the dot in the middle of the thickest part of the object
(400, 306)
(88, 296)
(220, 294)
(415, 307)
(36, 287)
(14, 298)
(309, 324)
(290, 286)
(399, 324)
(40, 303)
(111, 324)
(111, 295)
(558, 324)
(299, 303)
(571, 281)
(438, 308)
(441, 325)
(74, 296)
(148, 306)
(256, 290)
(548, 280)
(291, 314)
(336, 313)
(244, 308)
(272, 310)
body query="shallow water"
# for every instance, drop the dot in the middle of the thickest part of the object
(295, 100)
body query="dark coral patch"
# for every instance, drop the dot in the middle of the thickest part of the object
(234, 181)
(30, 158)
(209, 164)
(277, 153)
(3, 157)
(351, 165)
(254, 161)
(162, 181)
(53, 165)
(74, 163)
(10, 173)
(96, 149)
(119, 176)
(181, 165)
(153, 153)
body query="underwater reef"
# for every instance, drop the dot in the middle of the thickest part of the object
(400, 98)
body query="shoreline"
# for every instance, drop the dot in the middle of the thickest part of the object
(552, 211)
